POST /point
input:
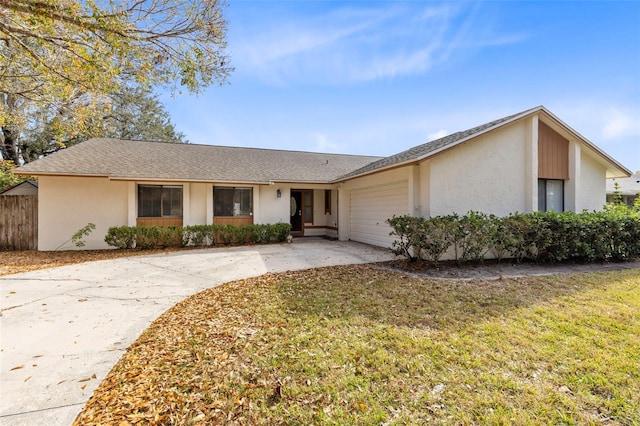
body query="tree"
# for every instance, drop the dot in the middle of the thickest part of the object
(7, 178)
(136, 113)
(68, 56)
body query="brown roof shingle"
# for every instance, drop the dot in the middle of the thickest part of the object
(140, 160)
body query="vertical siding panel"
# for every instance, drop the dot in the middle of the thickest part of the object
(553, 154)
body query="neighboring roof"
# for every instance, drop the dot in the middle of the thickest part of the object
(143, 160)
(30, 183)
(426, 150)
(627, 186)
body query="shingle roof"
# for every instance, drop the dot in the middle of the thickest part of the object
(124, 159)
(422, 151)
(142, 160)
(33, 183)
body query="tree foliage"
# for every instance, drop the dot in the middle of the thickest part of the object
(68, 56)
(7, 178)
(135, 113)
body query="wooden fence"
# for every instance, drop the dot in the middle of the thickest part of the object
(18, 222)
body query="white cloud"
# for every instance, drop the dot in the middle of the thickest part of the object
(619, 124)
(323, 144)
(437, 135)
(360, 44)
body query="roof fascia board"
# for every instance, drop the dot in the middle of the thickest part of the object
(21, 173)
(381, 169)
(147, 179)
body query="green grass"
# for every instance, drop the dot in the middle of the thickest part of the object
(361, 346)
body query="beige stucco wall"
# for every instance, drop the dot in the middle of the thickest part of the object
(273, 209)
(593, 184)
(66, 204)
(486, 174)
(198, 203)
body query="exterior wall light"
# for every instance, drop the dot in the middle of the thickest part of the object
(278, 193)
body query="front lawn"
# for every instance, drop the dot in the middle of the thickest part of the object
(358, 345)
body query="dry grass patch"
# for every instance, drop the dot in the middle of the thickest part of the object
(357, 345)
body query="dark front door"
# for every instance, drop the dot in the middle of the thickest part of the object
(296, 212)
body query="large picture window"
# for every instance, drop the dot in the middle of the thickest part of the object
(550, 195)
(228, 202)
(159, 201)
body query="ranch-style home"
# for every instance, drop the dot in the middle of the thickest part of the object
(525, 162)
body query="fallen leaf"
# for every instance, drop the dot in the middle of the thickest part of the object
(17, 368)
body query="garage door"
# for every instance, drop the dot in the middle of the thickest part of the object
(371, 207)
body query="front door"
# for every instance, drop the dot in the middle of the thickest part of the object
(301, 210)
(296, 213)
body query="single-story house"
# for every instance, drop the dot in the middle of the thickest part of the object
(628, 187)
(28, 187)
(525, 162)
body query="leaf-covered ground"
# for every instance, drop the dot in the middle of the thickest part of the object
(13, 262)
(360, 345)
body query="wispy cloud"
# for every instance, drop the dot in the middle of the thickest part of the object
(357, 44)
(437, 135)
(618, 123)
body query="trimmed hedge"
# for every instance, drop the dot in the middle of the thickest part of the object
(150, 237)
(610, 235)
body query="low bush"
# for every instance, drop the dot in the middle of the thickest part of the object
(610, 235)
(150, 237)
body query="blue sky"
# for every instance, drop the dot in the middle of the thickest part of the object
(379, 77)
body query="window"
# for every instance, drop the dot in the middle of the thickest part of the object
(159, 201)
(307, 206)
(550, 195)
(232, 201)
(327, 201)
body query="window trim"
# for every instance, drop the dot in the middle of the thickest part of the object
(162, 187)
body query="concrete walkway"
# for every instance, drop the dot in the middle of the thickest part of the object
(63, 329)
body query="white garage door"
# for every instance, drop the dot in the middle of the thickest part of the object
(371, 207)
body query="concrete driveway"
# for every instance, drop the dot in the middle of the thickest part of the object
(63, 329)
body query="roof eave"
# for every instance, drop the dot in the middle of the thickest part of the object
(370, 172)
(28, 173)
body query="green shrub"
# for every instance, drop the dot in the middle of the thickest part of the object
(406, 228)
(150, 237)
(610, 235)
(122, 237)
(435, 237)
(474, 232)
